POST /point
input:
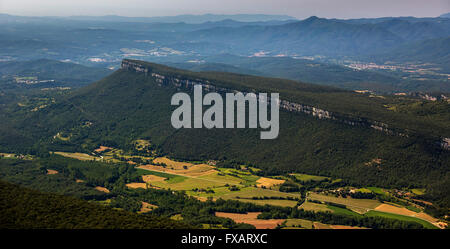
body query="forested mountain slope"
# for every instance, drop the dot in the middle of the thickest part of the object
(25, 208)
(337, 133)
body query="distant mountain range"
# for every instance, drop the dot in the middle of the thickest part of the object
(319, 36)
(105, 41)
(191, 19)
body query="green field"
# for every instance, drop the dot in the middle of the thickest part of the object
(377, 190)
(226, 179)
(244, 175)
(364, 190)
(358, 205)
(344, 211)
(316, 207)
(414, 209)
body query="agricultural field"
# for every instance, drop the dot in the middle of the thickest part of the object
(219, 177)
(316, 207)
(102, 189)
(344, 211)
(147, 207)
(307, 224)
(206, 181)
(273, 202)
(369, 207)
(251, 218)
(268, 182)
(318, 225)
(376, 190)
(345, 227)
(256, 195)
(401, 217)
(214, 185)
(135, 185)
(298, 223)
(364, 190)
(357, 205)
(306, 178)
(79, 156)
(248, 177)
(142, 144)
(102, 149)
(387, 208)
(110, 154)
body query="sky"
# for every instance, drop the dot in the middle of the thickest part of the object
(296, 8)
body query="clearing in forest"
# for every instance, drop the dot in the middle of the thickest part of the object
(52, 172)
(102, 148)
(316, 207)
(406, 212)
(147, 207)
(102, 189)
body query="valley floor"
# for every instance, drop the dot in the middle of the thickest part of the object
(208, 181)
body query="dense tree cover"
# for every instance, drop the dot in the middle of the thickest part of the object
(24, 208)
(33, 174)
(192, 210)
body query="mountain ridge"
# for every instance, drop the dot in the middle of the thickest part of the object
(98, 115)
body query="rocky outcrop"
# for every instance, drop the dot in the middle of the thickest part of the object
(445, 143)
(134, 66)
(188, 83)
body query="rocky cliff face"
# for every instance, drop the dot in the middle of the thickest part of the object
(286, 105)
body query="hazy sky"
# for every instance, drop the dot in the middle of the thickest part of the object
(296, 8)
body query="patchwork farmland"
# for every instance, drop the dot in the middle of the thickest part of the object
(206, 181)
